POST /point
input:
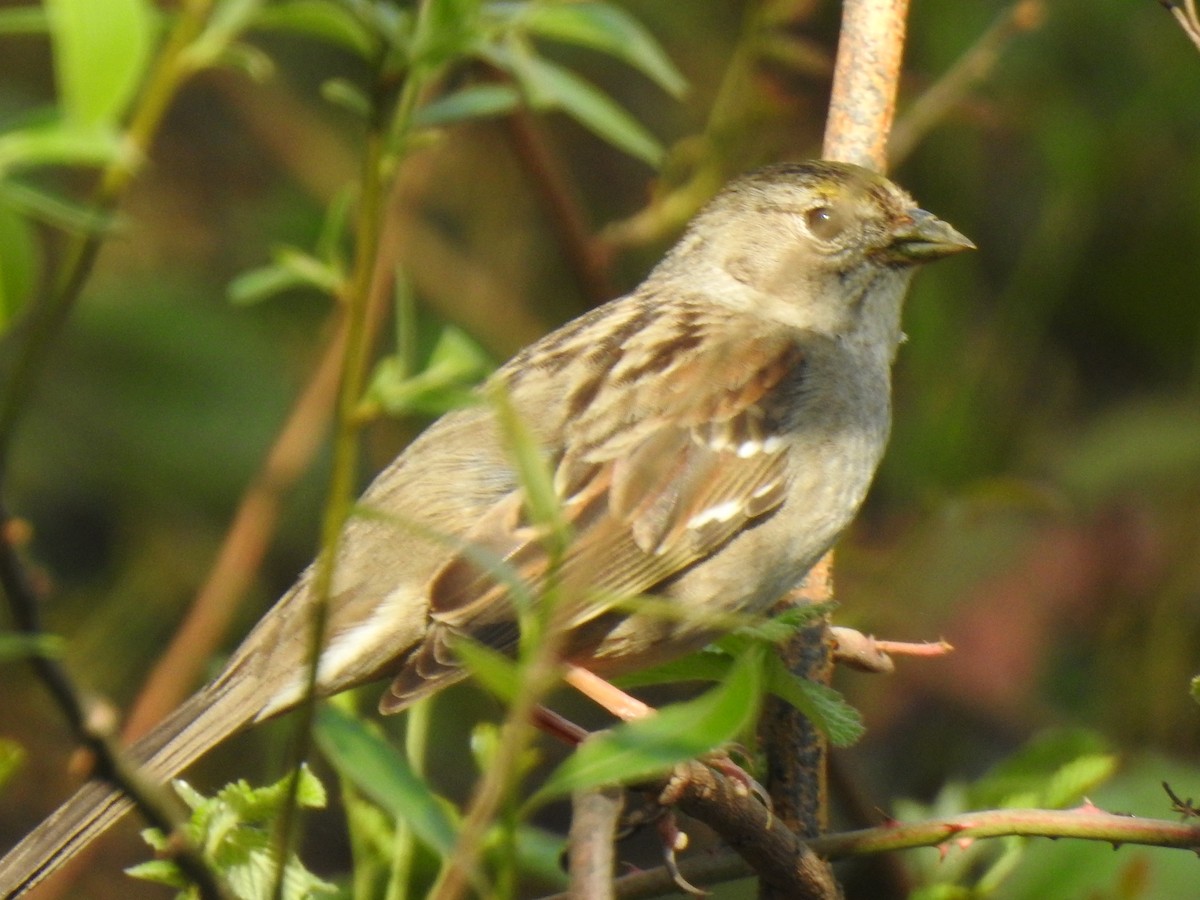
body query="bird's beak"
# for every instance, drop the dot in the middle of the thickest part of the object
(920, 237)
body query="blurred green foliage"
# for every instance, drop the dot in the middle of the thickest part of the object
(1038, 506)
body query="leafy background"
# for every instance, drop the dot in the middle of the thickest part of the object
(1038, 506)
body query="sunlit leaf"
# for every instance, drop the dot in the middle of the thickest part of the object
(228, 20)
(825, 708)
(537, 482)
(541, 854)
(345, 94)
(59, 212)
(58, 143)
(703, 666)
(381, 773)
(12, 756)
(258, 285)
(335, 229)
(447, 381)
(550, 86)
(493, 671)
(15, 646)
(101, 50)
(292, 269)
(1055, 769)
(326, 20)
(475, 102)
(255, 64)
(679, 732)
(18, 265)
(608, 29)
(234, 831)
(24, 20)
(446, 30)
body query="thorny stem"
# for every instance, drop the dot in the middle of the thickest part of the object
(1086, 822)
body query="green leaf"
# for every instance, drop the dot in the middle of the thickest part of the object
(638, 749)
(446, 29)
(550, 86)
(24, 20)
(537, 482)
(101, 50)
(255, 64)
(58, 143)
(1075, 779)
(12, 756)
(704, 665)
(1195, 688)
(235, 833)
(292, 268)
(325, 20)
(335, 229)
(777, 629)
(261, 284)
(15, 646)
(494, 671)
(382, 774)
(1055, 769)
(608, 29)
(541, 855)
(347, 95)
(58, 212)
(18, 264)
(478, 101)
(824, 707)
(225, 24)
(456, 365)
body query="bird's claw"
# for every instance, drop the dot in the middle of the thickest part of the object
(675, 840)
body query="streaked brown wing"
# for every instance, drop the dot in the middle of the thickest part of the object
(649, 487)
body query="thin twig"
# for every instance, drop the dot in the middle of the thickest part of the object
(343, 474)
(1187, 17)
(763, 844)
(94, 728)
(867, 653)
(1086, 822)
(592, 842)
(785, 866)
(972, 67)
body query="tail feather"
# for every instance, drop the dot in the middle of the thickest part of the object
(198, 724)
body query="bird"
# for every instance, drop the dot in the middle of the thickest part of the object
(709, 436)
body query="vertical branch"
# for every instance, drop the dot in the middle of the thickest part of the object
(595, 815)
(865, 79)
(861, 110)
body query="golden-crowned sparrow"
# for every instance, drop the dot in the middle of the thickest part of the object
(710, 435)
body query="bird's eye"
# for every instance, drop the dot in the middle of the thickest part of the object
(824, 222)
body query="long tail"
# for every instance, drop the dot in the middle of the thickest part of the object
(198, 724)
